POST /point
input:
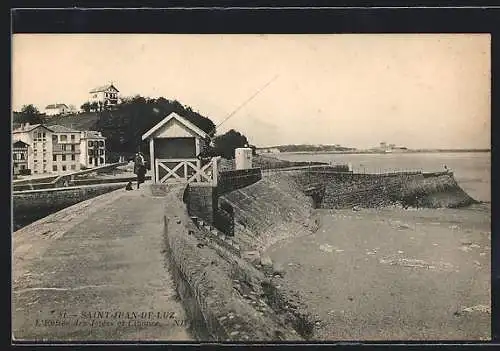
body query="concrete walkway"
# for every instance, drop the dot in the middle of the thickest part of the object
(96, 271)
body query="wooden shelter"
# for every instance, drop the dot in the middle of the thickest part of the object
(174, 144)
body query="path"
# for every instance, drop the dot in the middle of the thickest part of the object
(103, 255)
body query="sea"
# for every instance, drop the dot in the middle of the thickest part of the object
(472, 170)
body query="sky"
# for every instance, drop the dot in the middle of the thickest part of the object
(356, 90)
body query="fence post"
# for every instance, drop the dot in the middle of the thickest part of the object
(215, 171)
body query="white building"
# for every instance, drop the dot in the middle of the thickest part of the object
(93, 149)
(39, 139)
(65, 149)
(56, 109)
(107, 95)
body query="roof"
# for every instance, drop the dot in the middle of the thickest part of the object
(92, 134)
(29, 128)
(103, 88)
(181, 119)
(56, 106)
(19, 143)
(56, 128)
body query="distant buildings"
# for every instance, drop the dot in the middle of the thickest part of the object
(106, 95)
(388, 148)
(268, 150)
(93, 149)
(56, 149)
(56, 109)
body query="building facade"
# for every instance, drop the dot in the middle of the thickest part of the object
(56, 109)
(93, 149)
(65, 149)
(20, 157)
(106, 95)
(39, 138)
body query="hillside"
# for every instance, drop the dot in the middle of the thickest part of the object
(80, 121)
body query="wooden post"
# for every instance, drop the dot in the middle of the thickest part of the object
(215, 171)
(154, 169)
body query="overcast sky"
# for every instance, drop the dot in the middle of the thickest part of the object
(355, 90)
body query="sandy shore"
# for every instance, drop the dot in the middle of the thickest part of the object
(394, 274)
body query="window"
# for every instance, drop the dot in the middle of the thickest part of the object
(54, 138)
(91, 143)
(43, 135)
(23, 167)
(63, 168)
(39, 135)
(101, 143)
(22, 156)
(90, 160)
(64, 137)
(44, 161)
(54, 168)
(101, 160)
(35, 161)
(34, 145)
(44, 145)
(73, 167)
(101, 152)
(72, 137)
(63, 157)
(64, 147)
(72, 147)
(72, 157)
(91, 152)
(54, 157)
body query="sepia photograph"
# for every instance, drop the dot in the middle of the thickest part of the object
(251, 187)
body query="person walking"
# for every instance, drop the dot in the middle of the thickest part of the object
(139, 168)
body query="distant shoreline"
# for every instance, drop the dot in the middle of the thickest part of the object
(378, 153)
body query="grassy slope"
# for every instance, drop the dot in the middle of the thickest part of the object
(82, 121)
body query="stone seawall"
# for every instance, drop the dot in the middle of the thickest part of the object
(344, 190)
(215, 286)
(31, 205)
(270, 210)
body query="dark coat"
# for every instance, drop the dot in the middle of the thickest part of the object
(141, 173)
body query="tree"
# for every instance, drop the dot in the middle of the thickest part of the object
(86, 107)
(124, 125)
(29, 114)
(94, 106)
(225, 144)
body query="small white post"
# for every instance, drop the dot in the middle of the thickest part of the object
(215, 171)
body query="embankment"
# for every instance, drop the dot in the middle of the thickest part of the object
(223, 295)
(248, 297)
(270, 210)
(412, 189)
(277, 207)
(30, 205)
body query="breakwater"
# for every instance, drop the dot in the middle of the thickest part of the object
(282, 204)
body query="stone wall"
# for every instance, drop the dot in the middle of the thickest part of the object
(344, 190)
(236, 179)
(61, 197)
(29, 206)
(214, 285)
(202, 201)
